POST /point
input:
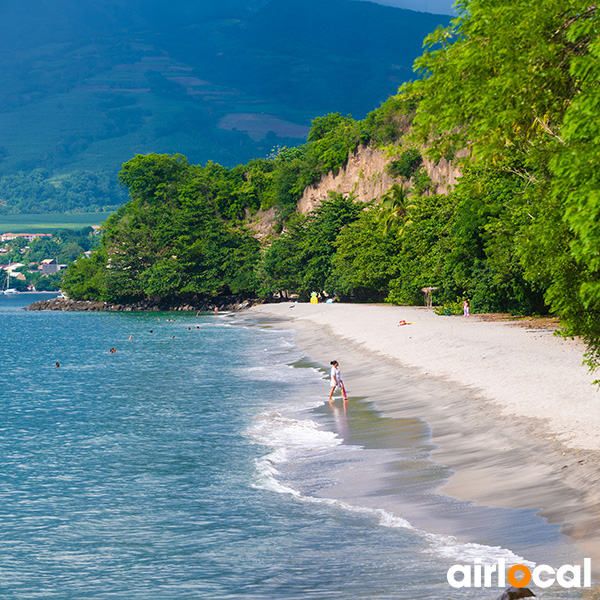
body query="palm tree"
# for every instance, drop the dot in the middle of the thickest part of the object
(394, 208)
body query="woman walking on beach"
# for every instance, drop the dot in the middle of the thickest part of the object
(336, 381)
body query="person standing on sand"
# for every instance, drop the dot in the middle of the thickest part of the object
(466, 308)
(336, 381)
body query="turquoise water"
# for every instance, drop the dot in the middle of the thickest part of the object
(193, 464)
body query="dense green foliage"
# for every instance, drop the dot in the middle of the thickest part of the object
(512, 86)
(300, 260)
(168, 241)
(406, 165)
(517, 83)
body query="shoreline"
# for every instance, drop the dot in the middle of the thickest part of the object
(222, 303)
(490, 433)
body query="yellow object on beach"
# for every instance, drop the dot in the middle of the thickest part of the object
(314, 300)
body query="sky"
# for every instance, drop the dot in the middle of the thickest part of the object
(440, 7)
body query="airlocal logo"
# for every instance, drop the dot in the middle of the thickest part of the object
(478, 575)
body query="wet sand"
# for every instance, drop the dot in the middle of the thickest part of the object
(512, 411)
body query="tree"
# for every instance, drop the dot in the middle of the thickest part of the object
(147, 176)
(515, 82)
(321, 126)
(169, 240)
(405, 166)
(394, 208)
(86, 278)
(366, 259)
(300, 260)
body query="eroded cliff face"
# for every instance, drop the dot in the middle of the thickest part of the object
(262, 223)
(365, 177)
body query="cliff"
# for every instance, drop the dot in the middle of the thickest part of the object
(366, 178)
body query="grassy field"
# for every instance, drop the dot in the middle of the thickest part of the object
(38, 223)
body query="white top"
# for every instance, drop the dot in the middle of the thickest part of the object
(336, 377)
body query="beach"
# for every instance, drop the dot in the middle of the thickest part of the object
(203, 459)
(512, 410)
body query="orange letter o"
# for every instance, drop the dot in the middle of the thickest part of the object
(518, 583)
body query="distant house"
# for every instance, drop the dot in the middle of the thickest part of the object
(49, 266)
(7, 237)
(12, 267)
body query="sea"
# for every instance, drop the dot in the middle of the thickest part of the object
(201, 460)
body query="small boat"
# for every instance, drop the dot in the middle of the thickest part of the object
(8, 290)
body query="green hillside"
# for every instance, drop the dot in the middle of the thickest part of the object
(511, 86)
(44, 223)
(83, 88)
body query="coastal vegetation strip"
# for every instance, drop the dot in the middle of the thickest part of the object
(509, 104)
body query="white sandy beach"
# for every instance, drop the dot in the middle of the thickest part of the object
(512, 410)
(528, 373)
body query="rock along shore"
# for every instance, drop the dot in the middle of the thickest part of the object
(222, 304)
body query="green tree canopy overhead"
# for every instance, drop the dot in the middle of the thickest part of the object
(516, 83)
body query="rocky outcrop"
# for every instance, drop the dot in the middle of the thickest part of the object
(365, 177)
(226, 303)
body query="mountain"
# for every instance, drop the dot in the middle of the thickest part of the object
(85, 86)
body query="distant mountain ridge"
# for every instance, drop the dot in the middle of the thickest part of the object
(86, 86)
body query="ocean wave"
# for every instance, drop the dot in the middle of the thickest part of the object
(294, 440)
(288, 435)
